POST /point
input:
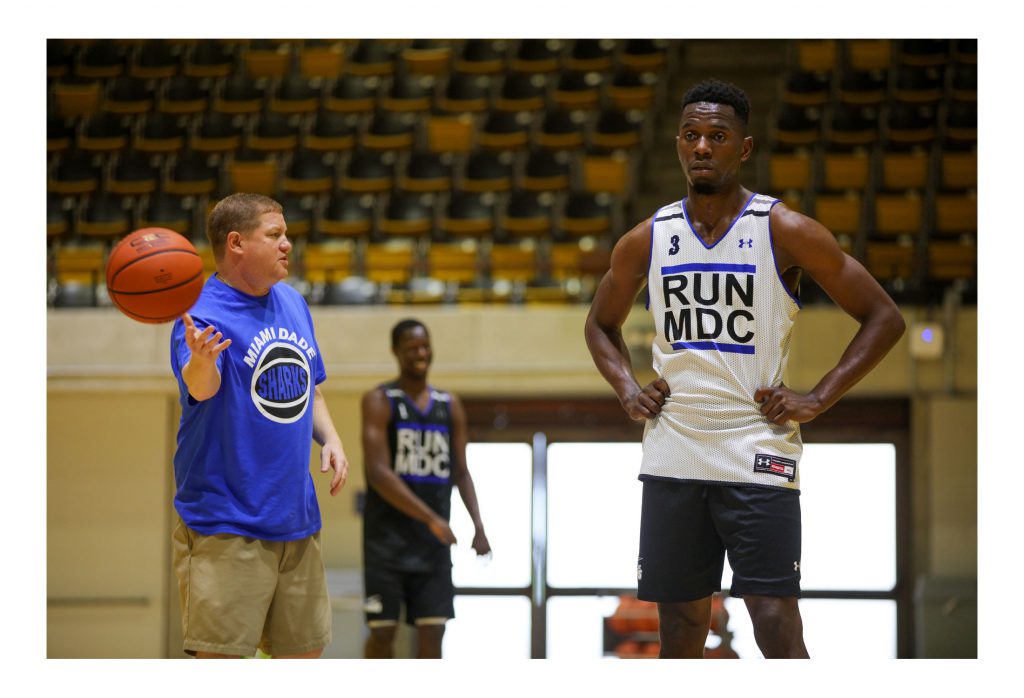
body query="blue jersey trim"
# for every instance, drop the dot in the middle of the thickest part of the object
(775, 261)
(730, 348)
(426, 478)
(698, 266)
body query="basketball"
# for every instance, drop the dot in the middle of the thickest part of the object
(154, 275)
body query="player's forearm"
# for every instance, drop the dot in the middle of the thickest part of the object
(201, 378)
(468, 494)
(323, 426)
(875, 338)
(391, 488)
(611, 356)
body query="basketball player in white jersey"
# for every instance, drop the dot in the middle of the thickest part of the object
(720, 468)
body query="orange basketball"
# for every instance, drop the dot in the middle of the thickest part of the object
(154, 275)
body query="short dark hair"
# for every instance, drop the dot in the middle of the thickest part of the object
(718, 92)
(403, 326)
(240, 212)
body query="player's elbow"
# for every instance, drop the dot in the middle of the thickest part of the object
(891, 323)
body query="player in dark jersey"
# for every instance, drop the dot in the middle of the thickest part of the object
(414, 447)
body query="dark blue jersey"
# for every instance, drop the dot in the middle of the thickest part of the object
(421, 454)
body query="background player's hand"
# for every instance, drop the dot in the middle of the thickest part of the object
(206, 345)
(780, 405)
(646, 403)
(332, 457)
(442, 531)
(480, 543)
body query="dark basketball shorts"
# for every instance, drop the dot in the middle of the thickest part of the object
(428, 597)
(687, 528)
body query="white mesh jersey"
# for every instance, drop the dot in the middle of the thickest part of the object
(723, 319)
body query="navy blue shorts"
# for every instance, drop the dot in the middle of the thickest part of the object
(428, 597)
(687, 528)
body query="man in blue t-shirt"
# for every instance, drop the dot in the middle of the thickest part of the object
(247, 545)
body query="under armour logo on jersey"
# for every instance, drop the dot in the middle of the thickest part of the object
(749, 242)
(402, 411)
(796, 566)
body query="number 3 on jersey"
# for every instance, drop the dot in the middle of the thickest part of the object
(675, 244)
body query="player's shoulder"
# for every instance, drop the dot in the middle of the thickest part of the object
(787, 221)
(378, 394)
(439, 395)
(666, 212)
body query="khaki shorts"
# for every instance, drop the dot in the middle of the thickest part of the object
(239, 594)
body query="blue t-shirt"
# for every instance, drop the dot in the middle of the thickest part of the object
(242, 462)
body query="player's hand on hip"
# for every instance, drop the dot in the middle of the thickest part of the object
(780, 405)
(646, 403)
(441, 530)
(205, 345)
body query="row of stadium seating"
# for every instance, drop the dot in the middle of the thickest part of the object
(877, 139)
(397, 161)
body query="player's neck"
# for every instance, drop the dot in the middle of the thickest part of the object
(413, 386)
(709, 212)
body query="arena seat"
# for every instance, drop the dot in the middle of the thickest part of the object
(192, 174)
(486, 172)
(352, 94)
(307, 173)
(183, 94)
(590, 55)
(156, 59)
(407, 215)
(295, 94)
(166, 211)
(481, 57)
(426, 57)
(424, 173)
(536, 56)
(389, 131)
(468, 214)
(239, 94)
(208, 59)
(558, 130)
(330, 132)
(347, 215)
(527, 214)
(545, 171)
(160, 133)
(504, 130)
(368, 172)
(217, 133)
(321, 59)
(128, 95)
(132, 175)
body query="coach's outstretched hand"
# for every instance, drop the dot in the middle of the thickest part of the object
(200, 372)
(206, 345)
